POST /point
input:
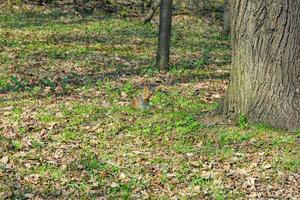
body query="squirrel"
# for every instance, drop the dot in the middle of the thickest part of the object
(142, 102)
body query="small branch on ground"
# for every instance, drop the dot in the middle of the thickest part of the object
(152, 11)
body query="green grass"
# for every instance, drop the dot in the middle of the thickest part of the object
(68, 129)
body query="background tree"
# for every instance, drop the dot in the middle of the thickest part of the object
(165, 24)
(226, 18)
(265, 77)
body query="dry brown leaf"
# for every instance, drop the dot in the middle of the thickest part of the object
(4, 160)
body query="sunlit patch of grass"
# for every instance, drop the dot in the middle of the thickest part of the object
(46, 117)
(54, 172)
(234, 137)
(37, 144)
(94, 165)
(287, 161)
(16, 114)
(16, 144)
(69, 135)
(292, 165)
(125, 190)
(159, 160)
(83, 187)
(128, 87)
(226, 153)
(208, 186)
(262, 127)
(282, 140)
(183, 147)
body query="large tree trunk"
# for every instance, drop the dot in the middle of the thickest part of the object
(165, 23)
(265, 77)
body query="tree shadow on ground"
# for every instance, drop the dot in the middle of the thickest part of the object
(53, 61)
(24, 20)
(77, 81)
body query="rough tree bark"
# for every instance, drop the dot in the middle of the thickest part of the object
(265, 76)
(165, 24)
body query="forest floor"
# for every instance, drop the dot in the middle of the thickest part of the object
(67, 130)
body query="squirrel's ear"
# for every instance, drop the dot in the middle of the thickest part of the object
(146, 91)
(146, 88)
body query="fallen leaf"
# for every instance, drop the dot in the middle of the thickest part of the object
(122, 176)
(267, 166)
(196, 188)
(124, 95)
(251, 181)
(216, 96)
(4, 160)
(114, 185)
(106, 104)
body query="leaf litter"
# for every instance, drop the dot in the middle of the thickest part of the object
(68, 131)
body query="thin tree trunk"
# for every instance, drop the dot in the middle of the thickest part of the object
(265, 77)
(226, 18)
(152, 11)
(164, 38)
